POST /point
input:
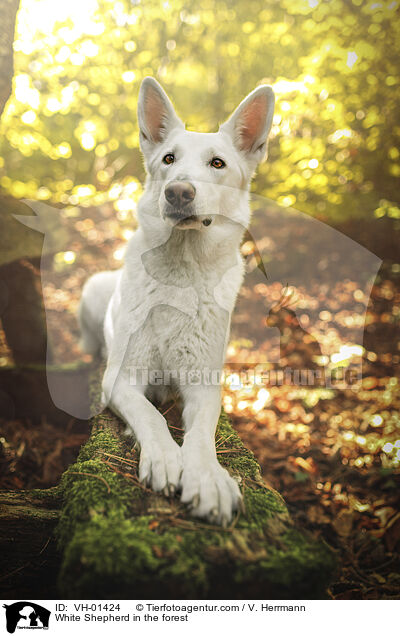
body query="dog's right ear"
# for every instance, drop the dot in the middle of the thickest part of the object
(251, 122)
(156, 114)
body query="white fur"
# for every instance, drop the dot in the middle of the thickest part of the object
(169, 307)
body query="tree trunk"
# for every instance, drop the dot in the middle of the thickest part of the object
(23, 316)
(21, 303)
(35, 391)
(8, 12)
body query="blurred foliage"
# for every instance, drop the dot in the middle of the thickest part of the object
(69, 132)
(69, 137)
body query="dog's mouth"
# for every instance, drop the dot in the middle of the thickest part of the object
(186, 221)
(195, 220)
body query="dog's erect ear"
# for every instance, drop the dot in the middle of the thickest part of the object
(156, 114)
(250, 123)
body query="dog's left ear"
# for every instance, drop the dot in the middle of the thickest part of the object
(250, 123)
(156, 114)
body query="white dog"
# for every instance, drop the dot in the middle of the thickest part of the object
(162, 321)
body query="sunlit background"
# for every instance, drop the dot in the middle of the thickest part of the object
(69, 137)
(71, 126)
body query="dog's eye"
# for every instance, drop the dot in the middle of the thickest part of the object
(217, 163)
(169, 158)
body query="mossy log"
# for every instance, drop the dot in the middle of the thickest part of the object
(122, 540)
(100, 534)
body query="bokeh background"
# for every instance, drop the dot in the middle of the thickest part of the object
(69, 138)
(70, 128)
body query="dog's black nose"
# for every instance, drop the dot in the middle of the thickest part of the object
(179, 193)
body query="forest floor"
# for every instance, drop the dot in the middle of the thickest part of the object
(332, 451)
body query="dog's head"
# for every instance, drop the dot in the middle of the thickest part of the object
(200, 179)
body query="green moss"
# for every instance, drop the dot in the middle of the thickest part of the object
(120, 541)
(89, 486)
(240, 461)
(99, 442)
(261, 504)
(126, 552)
(49, 496)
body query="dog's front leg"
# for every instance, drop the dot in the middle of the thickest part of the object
(206, 485)
(160, 456)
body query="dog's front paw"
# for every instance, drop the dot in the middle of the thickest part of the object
(160, 466)
(211, 492)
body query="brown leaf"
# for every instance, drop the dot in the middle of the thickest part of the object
(153, 524)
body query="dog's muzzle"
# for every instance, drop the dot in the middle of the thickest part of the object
(179, 196)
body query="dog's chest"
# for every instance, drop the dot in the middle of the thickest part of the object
(187, 339)
(177, 322)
